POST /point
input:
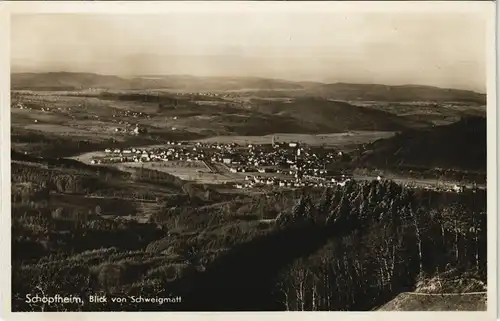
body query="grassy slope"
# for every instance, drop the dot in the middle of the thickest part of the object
(461, 145)
(303, 116)
(411, 301)
(337, 116)
(449, 291)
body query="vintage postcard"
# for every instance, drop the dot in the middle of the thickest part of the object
(249, 157)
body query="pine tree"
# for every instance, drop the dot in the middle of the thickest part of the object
(325, 201)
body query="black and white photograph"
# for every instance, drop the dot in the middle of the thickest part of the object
(252, 157)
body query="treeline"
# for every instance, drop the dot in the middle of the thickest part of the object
(54, 146)
(414, 172)
(397, 238)
(145, 98)
(180, 211)
(151, 175)
(196, 192)
(32, 177)
(141, 97)
(354, 248)
(54, 180)
(40, 232)
(139, 195)
(460, 146)
(68, 164)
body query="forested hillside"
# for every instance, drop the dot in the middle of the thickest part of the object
(459, 147)
(327, 250)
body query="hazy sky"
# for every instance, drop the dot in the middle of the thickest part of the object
(446, 50)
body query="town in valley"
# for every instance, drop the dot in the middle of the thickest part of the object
(320, 162)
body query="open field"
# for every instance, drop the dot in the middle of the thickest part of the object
(98, 116)
(106, 205)
(195, 174)
(101, 119)
(332, 140)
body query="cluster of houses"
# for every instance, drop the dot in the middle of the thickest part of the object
(128, 113)
(290, 159)
(179, 151)
(259, 181)
(153, 155)
(455, 188)
(296, 164)
(290, 165)
(25, 107)
(45, 109)
(21, 106)
(209, 94)
(129, 129)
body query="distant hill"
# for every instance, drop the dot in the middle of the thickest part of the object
(186, 82)
(77, 81)
(333, 115)
(461, 146)
(338, 91)
(344, 91)
(65, 81)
